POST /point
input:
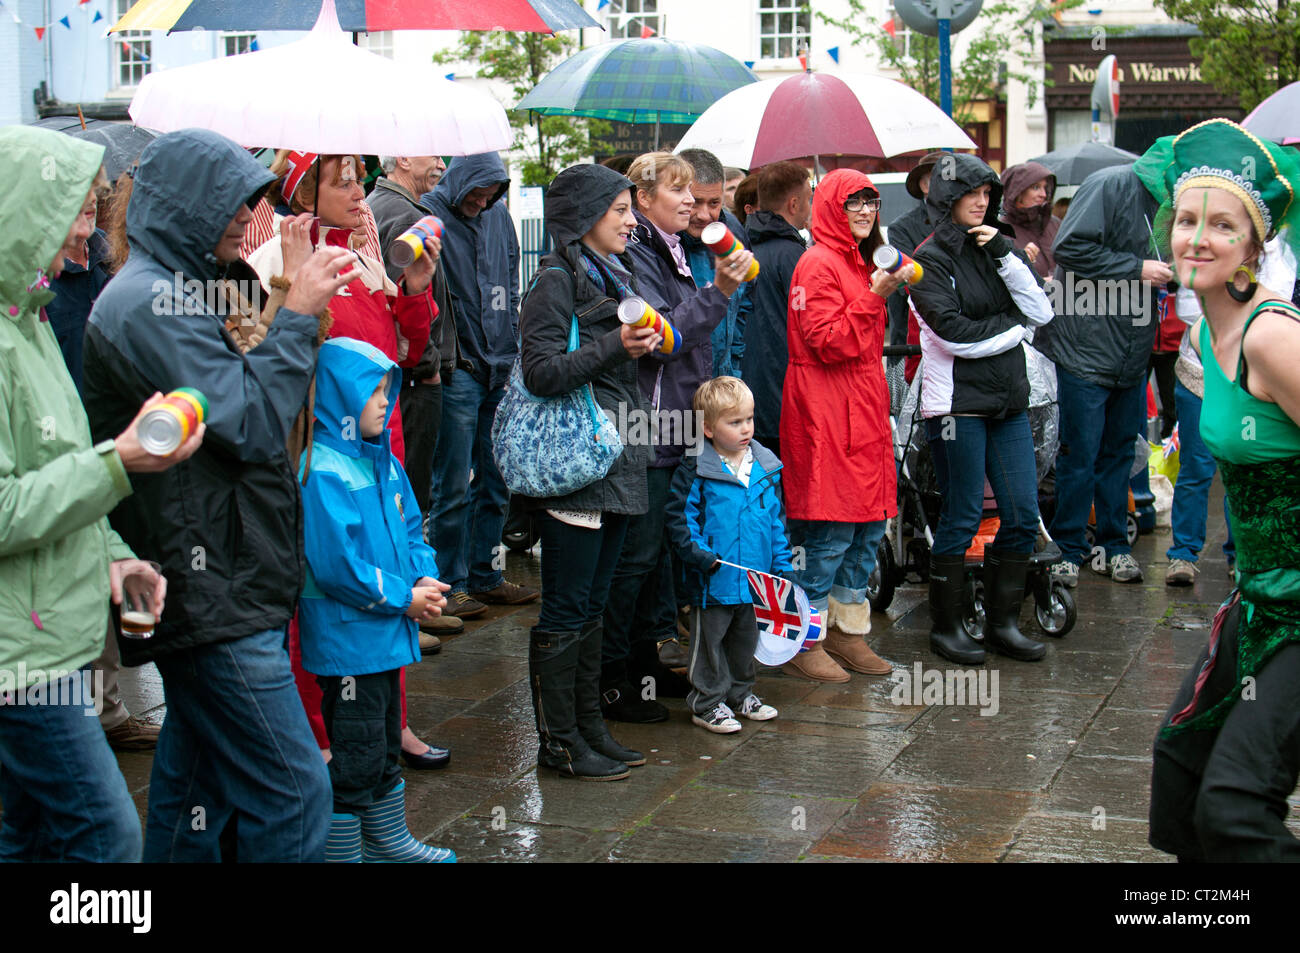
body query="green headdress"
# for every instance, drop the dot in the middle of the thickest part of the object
(1220, 154)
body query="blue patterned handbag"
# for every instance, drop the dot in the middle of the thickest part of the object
(552, 446)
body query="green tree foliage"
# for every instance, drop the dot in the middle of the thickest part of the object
(521, 60)
(1248, 49)
(1001, 28)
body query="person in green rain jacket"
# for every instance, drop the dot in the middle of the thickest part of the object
(63, 794)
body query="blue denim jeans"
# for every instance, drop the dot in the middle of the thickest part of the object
(64, 797)
(1099, 428)
(979, 446)
(466, 517)
(838, 559)
(1196, 468)
(236, 749)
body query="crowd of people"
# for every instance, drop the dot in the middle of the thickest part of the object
(342, 507)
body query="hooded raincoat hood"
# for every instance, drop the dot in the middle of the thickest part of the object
(165, 220)
(49, 176)
(347, 373)
(950, 181)
(1035, 224)
(830, 223)
(578, 198)
(466, 173)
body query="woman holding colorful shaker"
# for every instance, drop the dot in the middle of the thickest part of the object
(839, 476)
(668, 381)
(975, 308)
(589, 216)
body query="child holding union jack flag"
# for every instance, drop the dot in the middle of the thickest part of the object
(725, 507)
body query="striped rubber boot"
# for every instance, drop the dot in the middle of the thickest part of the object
(344, 843)
(386, 840)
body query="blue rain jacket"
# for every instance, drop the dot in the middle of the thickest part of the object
(712, 515)
(364, 543)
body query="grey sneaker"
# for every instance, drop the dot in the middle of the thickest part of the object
(1124, 568)
(1181, 572)
(720, 721)
(1066, 573)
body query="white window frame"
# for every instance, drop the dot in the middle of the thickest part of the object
(902, 34)
(381, 42)
(138, 41)
(798, 40)
(241, 38)
(619, 18)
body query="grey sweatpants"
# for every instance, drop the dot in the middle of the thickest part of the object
(722, 669)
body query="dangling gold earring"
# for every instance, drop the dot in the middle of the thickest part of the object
(1251, 285)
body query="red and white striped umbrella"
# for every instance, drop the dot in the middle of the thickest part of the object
(819, 114)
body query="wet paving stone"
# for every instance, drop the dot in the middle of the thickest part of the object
(1073, 838)
(477, 840)
(1119, 733)
(703, 808)
(911, 823)
(513, 704)
(1009, 762)
(434, 799)
(1043, 716)
(425, 712)
(504, 637)
(486, 748)
(1081, 673)
(1148, 687)
(543, 797)
(826, 766)
(1119, 787)
(666, 845)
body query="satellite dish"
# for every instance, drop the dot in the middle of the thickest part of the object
(923, 15)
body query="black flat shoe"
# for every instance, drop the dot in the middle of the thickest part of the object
(429, 760)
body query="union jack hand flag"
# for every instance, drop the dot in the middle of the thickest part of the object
(785, 620)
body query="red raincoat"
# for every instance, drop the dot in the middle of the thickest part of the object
(835, 438)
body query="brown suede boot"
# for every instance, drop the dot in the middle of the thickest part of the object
(815, 664)
(849, 624)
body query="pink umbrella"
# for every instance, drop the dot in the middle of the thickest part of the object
(1278, 117)
(819, 114)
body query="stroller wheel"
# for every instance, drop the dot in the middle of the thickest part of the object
(972, 613)
(880, 587)
(1057, 618)
(1131, 528)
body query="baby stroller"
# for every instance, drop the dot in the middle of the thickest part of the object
(905, 550)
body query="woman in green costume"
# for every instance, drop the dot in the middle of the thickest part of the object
(1228, 754)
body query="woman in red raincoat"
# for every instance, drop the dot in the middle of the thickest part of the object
(394, 318)
(840, 482)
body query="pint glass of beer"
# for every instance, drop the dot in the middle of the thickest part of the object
(136, 614)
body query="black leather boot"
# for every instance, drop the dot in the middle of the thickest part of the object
(948, 637)
(552, 670)
(1004, 589)
(620, 700)
(591, 723)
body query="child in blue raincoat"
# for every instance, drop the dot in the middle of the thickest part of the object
(370, 577)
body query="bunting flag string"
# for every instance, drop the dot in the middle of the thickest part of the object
(65, 20)
(834, 53)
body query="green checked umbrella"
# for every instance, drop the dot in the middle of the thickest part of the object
(640, 81)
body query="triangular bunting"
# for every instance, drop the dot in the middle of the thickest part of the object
(602, 5)
(40, 33)
(749, 64)
(890, 28)
(451, 76)
(97, 17)
(64, 21)
(834, 53)
(252, 46)
(803, 62)
(647, 32)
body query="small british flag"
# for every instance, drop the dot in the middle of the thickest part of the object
(785, 619)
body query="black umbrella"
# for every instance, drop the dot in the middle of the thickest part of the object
(122, 141)
(1073, 164)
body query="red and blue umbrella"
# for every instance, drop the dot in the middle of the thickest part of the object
(359, 16)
